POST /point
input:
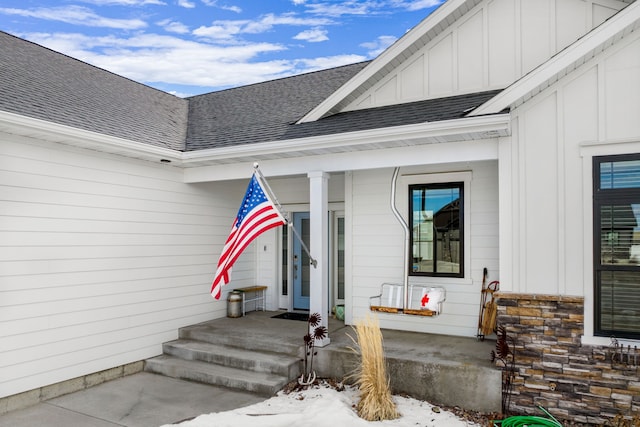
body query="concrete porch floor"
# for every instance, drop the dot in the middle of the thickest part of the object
(446, 370)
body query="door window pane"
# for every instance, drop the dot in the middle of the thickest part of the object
(305, 233)
(340, 260)
(285, 260)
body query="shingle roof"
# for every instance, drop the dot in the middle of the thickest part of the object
(40, 83)
(43, 84)
(431, 110)
(260, 112)
(268, 111)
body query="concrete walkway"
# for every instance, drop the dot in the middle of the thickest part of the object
(139, 400)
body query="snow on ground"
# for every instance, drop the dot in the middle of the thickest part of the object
(323, 406)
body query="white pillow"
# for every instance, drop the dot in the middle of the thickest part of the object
(431, 298)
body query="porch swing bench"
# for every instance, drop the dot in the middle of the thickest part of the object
(424, 300)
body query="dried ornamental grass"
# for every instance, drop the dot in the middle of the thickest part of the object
(376, 402)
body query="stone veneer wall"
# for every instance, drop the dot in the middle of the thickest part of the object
(584, 384)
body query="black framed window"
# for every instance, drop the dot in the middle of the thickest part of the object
(436, 218)
(616, 216)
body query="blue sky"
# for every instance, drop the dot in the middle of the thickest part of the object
(189, 47)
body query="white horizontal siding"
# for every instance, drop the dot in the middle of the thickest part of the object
(101, 259)
(378, 239)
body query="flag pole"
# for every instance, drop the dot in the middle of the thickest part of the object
(273, 197)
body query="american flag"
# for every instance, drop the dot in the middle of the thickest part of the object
(257, 214)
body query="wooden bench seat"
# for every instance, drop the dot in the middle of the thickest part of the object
(258, 297)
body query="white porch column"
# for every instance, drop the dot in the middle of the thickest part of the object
(319, 247)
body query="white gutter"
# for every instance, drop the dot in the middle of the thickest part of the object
(49, 131)
(481, 127)
(488, 126)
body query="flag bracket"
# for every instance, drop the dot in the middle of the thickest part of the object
(263, 179)
(312, 260)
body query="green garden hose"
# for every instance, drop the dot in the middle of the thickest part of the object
(529, 421)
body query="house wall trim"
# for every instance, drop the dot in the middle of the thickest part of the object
(29, 398)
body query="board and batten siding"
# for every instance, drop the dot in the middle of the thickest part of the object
(491, 46)
(377, 247)
(102, 259)
(548, 180)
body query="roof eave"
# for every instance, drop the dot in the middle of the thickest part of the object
(470, 128)
(48, 131)
(476, 128)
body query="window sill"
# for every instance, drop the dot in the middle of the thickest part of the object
(606, 341)
(442, 281)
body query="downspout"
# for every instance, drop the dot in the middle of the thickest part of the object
(405, 226)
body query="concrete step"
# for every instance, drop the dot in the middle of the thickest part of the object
(257, 341)
(249, 360)
(262, 383)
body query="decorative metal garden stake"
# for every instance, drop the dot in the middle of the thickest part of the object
(505, 354)
(315, 332)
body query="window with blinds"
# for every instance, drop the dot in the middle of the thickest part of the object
(617, 245)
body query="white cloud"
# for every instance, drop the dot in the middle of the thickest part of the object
(236, 9)
(173, 26)
(226, 53)
(221, 30)
(323, 63)
(76, 15)
(170, 60)
(186, 3)
(154, 58)
(378, 46)
(312, 35)
(225, 30)
(364, 7)
(352, 7)
(416, 5)
(267, 22)
(123, 2)
(181, 94)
